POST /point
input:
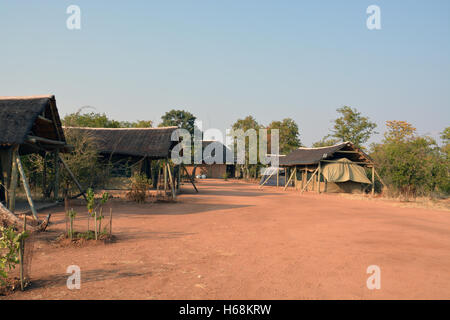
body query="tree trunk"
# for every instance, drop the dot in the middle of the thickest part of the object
(12, 219)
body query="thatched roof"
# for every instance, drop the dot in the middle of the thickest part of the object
(213, 145)
(22, 117)
(304, 156)
(155, 143)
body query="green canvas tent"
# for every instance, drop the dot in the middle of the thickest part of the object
(338, 168)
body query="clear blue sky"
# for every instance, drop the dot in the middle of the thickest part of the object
(224, 60)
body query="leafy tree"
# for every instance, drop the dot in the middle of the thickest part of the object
(142, 124)
(179, 118)
(411, 165)
(91, 119)
(352, 126)
(100, 120)
(246, 124)
(325, 142)
(399, 131)
(289, 135)
(445, 136)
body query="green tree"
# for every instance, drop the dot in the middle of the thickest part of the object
(445, 136)
(136, 124)
(289, 134)
(100, 120)
(411, 165)
(325, 142)
(90, 119)
(246, 124)
(399, 131)
(179, 118)
(352, 126)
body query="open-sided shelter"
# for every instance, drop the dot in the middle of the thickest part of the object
(27, 125)
(209, 167)
(137, 146)
(338, 168)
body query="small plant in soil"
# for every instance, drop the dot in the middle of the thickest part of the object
(11, 243)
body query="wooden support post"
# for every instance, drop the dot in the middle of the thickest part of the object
(373, 180)
(26, 187)
(381, 180)
(165, 175)
(290, 178)
(318, 177)
(190, 178)
(174, 194)
(267, 179)
(278, 177)
(13, 183)
(304, 177)
(56, 167)
(310, 179)
(73, 177)
(179, 177)
(21, 254)
(44, 176)
(110, 221)
(295, 177)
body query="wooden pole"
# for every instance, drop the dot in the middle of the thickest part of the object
(26, 187)
(278, 177)
(56, 182)
(165, 176)
(310, 179)
(295, 178)
(267, 180)
(174, 195)
(381, 180)
(290, 178)
(73, 177)
(318, 177)
(95, 225)
(21, 254)
(110, 222)
(190, 177)
(44, 176)
(303, 177)
(373, 180)
(13, 183)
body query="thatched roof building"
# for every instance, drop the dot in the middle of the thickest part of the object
(28, 125)
(33, 123)
(305, 156)
(338, 168)
(209, 167)
(152, 143)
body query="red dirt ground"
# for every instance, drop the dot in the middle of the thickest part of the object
(235, 241)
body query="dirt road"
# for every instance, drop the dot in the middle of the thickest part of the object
(236, 241)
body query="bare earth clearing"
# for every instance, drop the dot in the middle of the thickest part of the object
(234, 241)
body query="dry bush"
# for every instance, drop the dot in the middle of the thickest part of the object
(139, 186)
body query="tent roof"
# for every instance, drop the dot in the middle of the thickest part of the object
(344, 170)
(303, 156)
(154, 143)
(23, 116)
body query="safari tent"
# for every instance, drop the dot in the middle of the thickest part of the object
(338, 168)
(28, 125)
